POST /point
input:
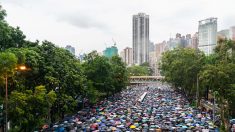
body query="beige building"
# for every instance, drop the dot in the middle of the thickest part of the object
(160, 49)
(152, 60)
(155, 57)
(194, 41)
(232, 33)
(127, 56)
(122, 55)
(227, 34)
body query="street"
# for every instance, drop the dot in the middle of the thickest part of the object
(162, 109)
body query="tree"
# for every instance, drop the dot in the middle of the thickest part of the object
(2, 13)
(98, 70)
(218, 75)
(7, 67)
(119, 74)
(9, 36)
(220, 78)
(59, 69)
(138, 71)
(29, 110)
(181, 67)
(104, 76)
(8, 63)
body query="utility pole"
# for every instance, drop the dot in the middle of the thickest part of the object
(214, 109)
(197, 94)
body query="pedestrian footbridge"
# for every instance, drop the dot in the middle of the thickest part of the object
(145, 79)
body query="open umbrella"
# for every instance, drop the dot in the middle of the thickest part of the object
(132, 126)
(114, 128)
(128, 124)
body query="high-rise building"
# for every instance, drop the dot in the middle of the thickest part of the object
(178, 35)
(178, 41)
(232, 33)
(160, 48)
(188, 40)
(152, 60)
(195, 41)
(207, 31)
(151, 47)
(122, 55)
(70, 49)
(223, 34)
(110, 51)
(127, 56)
(140, 38)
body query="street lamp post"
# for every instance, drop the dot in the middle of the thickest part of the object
(6, 101)
(20, 68)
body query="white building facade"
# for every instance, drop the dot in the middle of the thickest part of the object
(140, 38)
(207, 33)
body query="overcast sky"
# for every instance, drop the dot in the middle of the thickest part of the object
(89, 24)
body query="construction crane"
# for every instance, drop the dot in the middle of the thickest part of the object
(114, 42)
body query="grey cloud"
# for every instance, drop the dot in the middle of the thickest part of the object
(228, 21)
(82, 21)
(22, 3)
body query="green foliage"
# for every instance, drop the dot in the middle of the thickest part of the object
(28, 110)
(181, 67)
(145, 64)
(138, 71)
(2, 13)
(220, 76)
(10, 36)
(119, 74)
(216, 72)
(97, 69)
(8, 63)
(105, 75)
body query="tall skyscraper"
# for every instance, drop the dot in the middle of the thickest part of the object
(70, 49)
(207, 31)
(140, 38)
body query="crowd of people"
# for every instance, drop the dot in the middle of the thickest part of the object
(161, 109)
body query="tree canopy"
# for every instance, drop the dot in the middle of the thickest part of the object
(181, 67)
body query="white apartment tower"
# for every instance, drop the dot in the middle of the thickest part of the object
(140, 38)
(207, 31)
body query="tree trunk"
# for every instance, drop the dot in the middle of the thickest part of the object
(223, 119)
